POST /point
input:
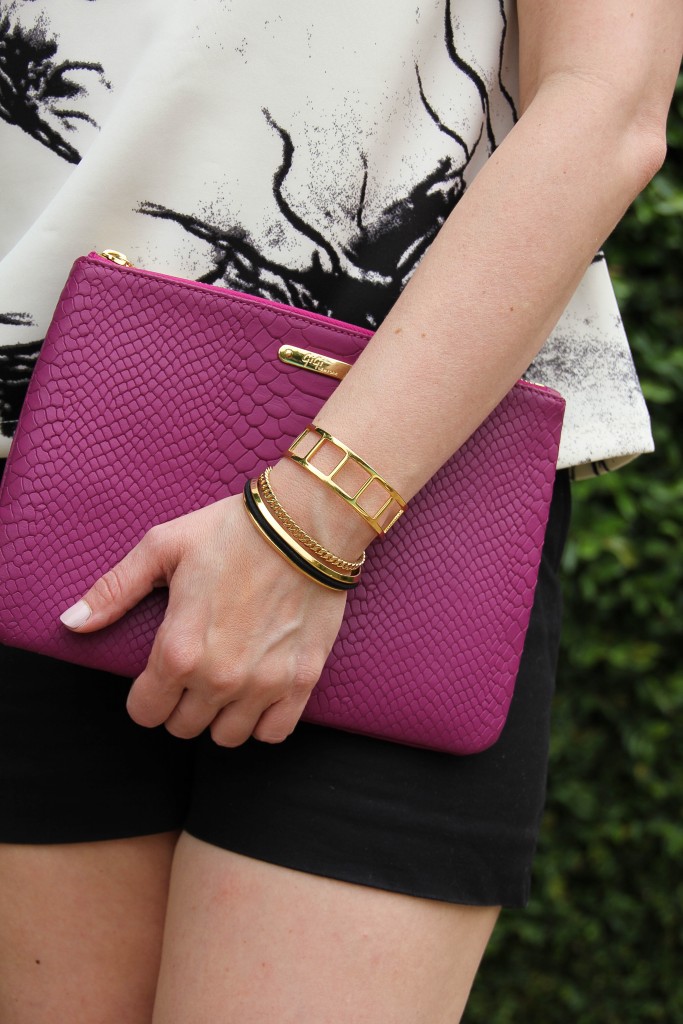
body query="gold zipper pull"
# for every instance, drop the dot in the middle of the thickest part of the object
(114, 256)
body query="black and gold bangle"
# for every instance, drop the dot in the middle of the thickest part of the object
(285, 546)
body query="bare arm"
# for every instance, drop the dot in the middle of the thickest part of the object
(245, 637)
(596, 82)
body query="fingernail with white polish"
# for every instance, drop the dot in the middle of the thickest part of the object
(76, 615)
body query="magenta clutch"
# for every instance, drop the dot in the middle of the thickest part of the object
(153, 396)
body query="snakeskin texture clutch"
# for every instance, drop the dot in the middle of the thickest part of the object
(153, 396)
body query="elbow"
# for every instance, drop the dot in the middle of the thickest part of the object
(634, 126)
(644, 153)
(641, 114)
(627, 126)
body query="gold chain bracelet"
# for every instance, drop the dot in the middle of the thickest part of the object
(281, 514)
(290, 548)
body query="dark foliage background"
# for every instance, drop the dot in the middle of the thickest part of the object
(602, 940)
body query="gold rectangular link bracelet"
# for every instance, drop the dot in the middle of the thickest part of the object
(373, 518)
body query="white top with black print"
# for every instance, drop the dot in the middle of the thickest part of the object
(307, 152)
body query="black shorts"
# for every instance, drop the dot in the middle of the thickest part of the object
(74, 768)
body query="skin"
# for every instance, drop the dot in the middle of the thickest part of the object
(250, 941)
(81, 930)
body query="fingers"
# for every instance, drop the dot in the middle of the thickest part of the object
(150, 563)
(173, 667)
(190, 716)
(271, 719)
(234, 652)
(233, 704)
(242, 719)
(152, 701)
(278, 721)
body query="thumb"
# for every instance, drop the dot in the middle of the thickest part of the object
(149, 564)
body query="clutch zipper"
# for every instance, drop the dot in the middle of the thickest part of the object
(302, 358)
(119, 259)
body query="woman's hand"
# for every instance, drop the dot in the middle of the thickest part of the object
(245, 635)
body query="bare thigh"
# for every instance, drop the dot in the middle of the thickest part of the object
(253, 943)
(80, 930)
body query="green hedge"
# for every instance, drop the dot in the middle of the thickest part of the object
(602, 940)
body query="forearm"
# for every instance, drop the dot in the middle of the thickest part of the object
(487, 293)
(492, 285)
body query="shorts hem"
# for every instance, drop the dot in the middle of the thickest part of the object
(93, 835)
(475, 893)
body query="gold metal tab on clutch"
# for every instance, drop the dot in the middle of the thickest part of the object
(307, 360)
(114, 256)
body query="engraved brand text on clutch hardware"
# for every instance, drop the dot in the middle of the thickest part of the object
(315, 361)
